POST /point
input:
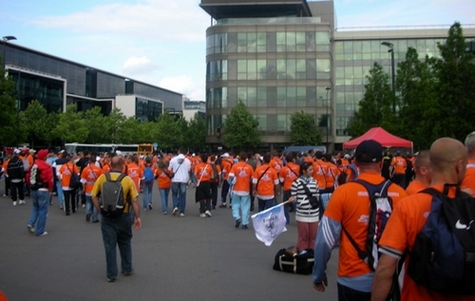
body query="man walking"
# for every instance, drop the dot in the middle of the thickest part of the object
(16, 174)
(180, 166)
(89, 176)
(40, 180)
(240, 175)
(118, 230)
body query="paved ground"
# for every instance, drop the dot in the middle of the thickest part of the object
(174, 258)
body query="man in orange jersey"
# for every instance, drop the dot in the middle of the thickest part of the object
(226, 165)
(349, 208)
(240, 175)
(398, 170)
(135, 172)
(448, 160)
(288, 174)
(89, 175)
(320, 171)
(469, 182)
(423, 173)
(203, 173)
(265, 184)
(64, 174)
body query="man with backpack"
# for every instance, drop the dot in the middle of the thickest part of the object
(406, 233)
(114, 195)
(349, 223)
(16, 174)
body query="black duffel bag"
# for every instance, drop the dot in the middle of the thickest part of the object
(287, 260)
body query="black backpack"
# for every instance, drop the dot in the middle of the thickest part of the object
(112, 196)
(443, 256)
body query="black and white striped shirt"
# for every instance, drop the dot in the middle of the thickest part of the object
(305, 212)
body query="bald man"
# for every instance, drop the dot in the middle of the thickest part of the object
(448, 160)
(468, 184)
(423, 173)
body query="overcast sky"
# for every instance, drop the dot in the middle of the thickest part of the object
(163, 43)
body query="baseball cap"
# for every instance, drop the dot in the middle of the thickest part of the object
(42, 154)
(17, 151)
(225, 155)
(369, 151)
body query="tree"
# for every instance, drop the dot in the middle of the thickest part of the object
(114, 123)
(10, 134)
(96, 123)
(303, 129)
(36, 124)
(71, 126)
(375, 109)
(168, 132)
(147, 132)
(197, 132)
(240, 128)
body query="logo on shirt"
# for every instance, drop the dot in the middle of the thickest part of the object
(460, 226)
(363, 219)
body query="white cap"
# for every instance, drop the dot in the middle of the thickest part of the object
(32, 151)
(193, 155)
(225, 155)
(98, 158)
(61, 151)
(347, 156)
(16, 151)
(118, 152)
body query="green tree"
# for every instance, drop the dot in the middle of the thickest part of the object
(114, 123)
(168, 132)
(96, 123)
(197, 132)
(71, 126)
(455, 75)
(304, 130)
(10, 133)
(375, 109)
(240, 128)
(37, 124)
(147, 132)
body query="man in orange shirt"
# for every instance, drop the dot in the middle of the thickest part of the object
(203, 173)
(448, 159)
(64, 174)
(319, 172)
(265, 184)
(89, 175)
(240, 175)
(398, 170)
(135, 172)
(469, 182)
(288, 174)
(349, 208)
(423, 173)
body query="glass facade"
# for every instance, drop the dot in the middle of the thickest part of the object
(147, 110)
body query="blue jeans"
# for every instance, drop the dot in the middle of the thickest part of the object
(117, 231)
(265, 204)
(243, 203)
(39, 212)
(179, 196)
(90, 208)
(59, 191)
(147, 195)
(164, 192)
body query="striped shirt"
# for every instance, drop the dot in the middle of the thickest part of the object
(305, 213)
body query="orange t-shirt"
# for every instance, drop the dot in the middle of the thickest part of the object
(288, 174)
(203, 172)
(308, 159)
(65, 173)
(399, 164)
(276, 164)
(268, 179)
(469, 180)
(414, 187)
(319, 172)
(89, 176)
(164, 181)
(332, 173)
(349, 205)
(225, 168)
(136, 174)
(242, 172)
(5, 167)
(407, 220)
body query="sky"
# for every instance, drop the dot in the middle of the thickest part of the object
(163, 42)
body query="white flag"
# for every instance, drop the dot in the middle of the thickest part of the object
(268, 224)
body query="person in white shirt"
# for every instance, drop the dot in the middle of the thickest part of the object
(180, 166)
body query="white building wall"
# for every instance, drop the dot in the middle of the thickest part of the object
(126, 103)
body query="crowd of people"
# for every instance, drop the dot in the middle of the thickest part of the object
(327, 192)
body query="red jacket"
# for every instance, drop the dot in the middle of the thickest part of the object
(46, 173)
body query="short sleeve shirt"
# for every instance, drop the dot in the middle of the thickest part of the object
(128, 188)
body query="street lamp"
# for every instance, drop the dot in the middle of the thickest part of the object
(328, 119)
(391, 50)
(5, 40)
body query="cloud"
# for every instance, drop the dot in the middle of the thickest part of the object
(178, 20)
(184, 84)
(138, 65)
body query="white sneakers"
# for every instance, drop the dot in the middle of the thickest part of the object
(21, 202)
(31, 229)
(202, 215)
(207, 213)
(175, 211)
(14, 203)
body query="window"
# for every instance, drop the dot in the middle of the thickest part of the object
(261, 97)
(261, 42)
(323, 41)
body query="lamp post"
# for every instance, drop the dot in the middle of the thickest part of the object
(5, 40)
(328, 119)
(391, 50)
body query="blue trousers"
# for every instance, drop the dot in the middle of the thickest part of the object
(39, 212)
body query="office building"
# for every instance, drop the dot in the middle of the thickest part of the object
(284, 56)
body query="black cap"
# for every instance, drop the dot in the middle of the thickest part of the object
(369, 151)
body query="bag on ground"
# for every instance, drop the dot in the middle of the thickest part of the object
(443, 256)
(112, 196)
(291, 261)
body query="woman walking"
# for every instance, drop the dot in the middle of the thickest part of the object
(164, 183)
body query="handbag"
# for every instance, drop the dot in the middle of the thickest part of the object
(297, 263)
(313, 200)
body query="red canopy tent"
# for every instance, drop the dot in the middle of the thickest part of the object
(380, 135)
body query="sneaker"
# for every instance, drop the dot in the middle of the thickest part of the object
(14, 203)
(51, 203)
(61, 207)
(21, 202)
(238, 222)
(83, 205)
(244, 227)
(202, 215)
(110, 279)
(31, 229)
(149, 206)
(175, 211)
(43, 234)
(207, 213)
(182, 214)
(131, 272)
(165, 213)
(223, 205)
(88, 217)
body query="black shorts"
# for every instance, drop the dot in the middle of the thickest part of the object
(203, 192)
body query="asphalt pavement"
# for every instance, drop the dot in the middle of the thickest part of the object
(174, 258)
